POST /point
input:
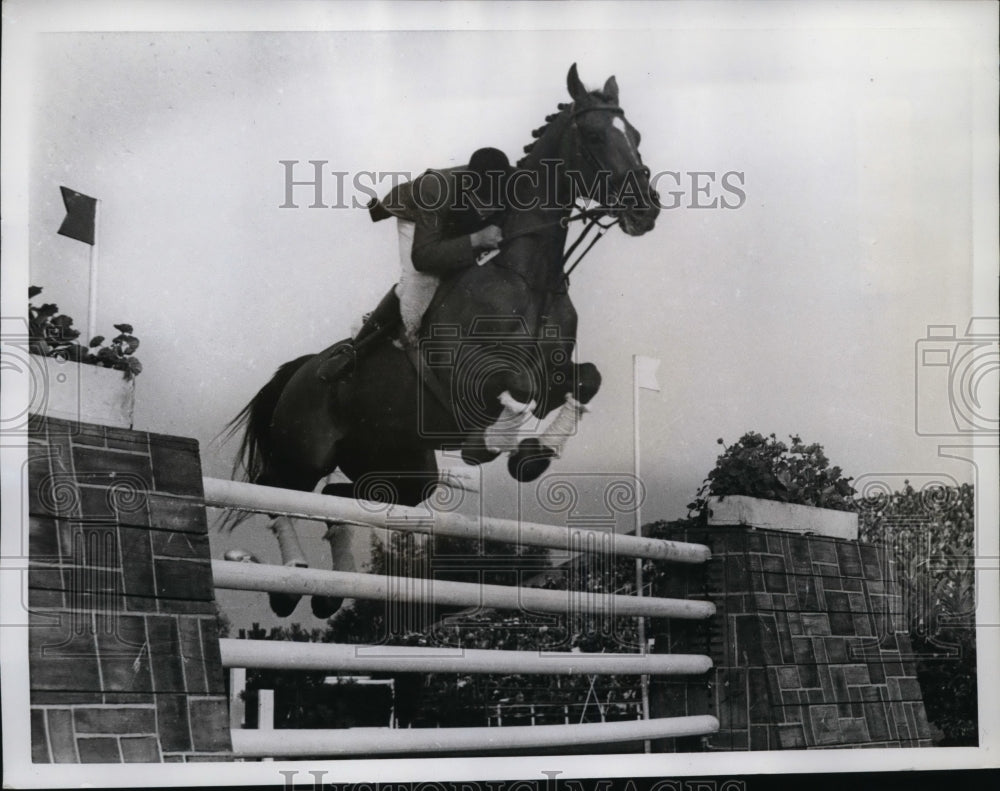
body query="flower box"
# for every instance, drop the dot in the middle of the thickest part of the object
(86, 393)
(734, 509)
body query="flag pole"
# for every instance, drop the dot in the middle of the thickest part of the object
(92, 310)
(643, 647)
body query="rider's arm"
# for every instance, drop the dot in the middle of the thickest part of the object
(434, 252)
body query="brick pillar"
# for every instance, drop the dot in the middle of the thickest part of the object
(124, 642)
(808, 645)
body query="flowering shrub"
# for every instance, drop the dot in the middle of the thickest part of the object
(52, 334)
(759, 466)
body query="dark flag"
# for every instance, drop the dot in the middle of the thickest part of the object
(80, 213)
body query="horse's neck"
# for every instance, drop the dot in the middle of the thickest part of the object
(537, 239)
(536, 225)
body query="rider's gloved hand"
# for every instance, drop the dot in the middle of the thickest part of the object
(487, 238)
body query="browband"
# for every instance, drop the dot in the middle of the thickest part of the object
(608, 108)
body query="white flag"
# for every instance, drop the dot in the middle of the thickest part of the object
(645, 372)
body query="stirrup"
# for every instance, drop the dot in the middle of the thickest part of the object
(341, 362)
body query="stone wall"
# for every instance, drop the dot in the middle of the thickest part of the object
(124, 643)
(808, 645)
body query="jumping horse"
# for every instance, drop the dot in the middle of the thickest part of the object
(496, 342)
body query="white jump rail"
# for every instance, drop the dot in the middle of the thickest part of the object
(301, 743)
(280, 654)
(267, 654)
(321, 507)
(288, 579)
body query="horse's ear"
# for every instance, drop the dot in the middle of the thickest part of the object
(573, 84)
(611, 90)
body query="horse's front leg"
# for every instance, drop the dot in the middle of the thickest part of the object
(534, 454)
(518, 403)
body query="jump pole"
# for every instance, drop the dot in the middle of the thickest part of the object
(284, 579)
(293, 743)
(321, 507)
(281, 655)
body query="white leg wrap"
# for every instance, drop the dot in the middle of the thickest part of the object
(503, 434)
(288, 542)
(563, 425)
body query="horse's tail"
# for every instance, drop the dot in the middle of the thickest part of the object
(255, 418)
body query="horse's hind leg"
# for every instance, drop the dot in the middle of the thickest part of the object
(283, 604)
(325, 606)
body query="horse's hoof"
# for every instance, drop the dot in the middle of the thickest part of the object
(325, 606)
(530, 460)
(284, 604)
(475, 452)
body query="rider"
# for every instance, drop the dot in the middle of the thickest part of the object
(446, 220)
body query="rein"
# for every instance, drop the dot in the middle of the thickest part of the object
(603, 229)
(593, 219)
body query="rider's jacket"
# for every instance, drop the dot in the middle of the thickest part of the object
(443, 216)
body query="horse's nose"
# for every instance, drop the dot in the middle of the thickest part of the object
(653, 195)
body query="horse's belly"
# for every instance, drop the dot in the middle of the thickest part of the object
(305, 424)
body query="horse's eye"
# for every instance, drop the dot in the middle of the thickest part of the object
(595, 137)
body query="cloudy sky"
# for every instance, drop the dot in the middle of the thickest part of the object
(798, 312)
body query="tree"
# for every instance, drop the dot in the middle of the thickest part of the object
(930, 537)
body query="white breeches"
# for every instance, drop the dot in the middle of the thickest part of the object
(415, 289)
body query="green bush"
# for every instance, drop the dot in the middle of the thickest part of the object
(759, 466)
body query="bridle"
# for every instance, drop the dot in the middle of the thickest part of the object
(594, 218)
(580, 144)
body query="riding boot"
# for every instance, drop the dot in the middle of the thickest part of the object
(344, 356)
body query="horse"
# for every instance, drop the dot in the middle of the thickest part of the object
(496, 342)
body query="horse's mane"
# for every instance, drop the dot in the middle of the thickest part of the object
(562, 107)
